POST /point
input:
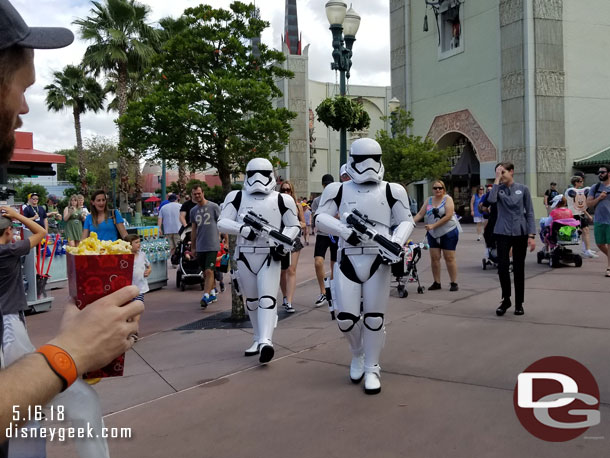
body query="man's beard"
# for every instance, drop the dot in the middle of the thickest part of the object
(7, 135)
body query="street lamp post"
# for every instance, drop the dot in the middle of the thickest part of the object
(163, 179)
(113, 167)
(344, 24)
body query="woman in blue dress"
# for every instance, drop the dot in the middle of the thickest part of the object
(108, 224)
(476, 214)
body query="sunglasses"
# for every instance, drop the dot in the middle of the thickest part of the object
(437, 188)
(265, 173)
(481, 189)
(284, 189)
(602, 172)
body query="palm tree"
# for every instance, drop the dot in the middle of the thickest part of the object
(123, 43)
(73, 88)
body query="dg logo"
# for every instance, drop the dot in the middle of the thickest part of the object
(557, 399)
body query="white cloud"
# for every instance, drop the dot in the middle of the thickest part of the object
(53, 131)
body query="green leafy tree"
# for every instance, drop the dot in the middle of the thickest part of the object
(408, 158)
(27, 188)
(122, 44)
(211, 97)
(72, 88)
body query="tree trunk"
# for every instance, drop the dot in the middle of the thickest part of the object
(138, 184)
(123, 163)
(182, 178)
(82, 169)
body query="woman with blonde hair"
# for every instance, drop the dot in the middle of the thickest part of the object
(74, 221)
(288, 279)
(443, 233)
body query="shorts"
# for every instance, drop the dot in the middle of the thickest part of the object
(206, 259)
(173, 240)
(478, 219)
(323, 243)
(602, 233)
(447, 242)
(584, 221)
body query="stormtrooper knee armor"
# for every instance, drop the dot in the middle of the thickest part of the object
(361, 272)
(257, 257)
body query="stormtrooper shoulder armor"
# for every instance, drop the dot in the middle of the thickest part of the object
(332, 192)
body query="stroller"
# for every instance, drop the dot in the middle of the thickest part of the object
(406, 270)
(557, 236)
(188, 271)
(491, 248)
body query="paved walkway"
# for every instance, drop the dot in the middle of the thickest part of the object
(449, 368)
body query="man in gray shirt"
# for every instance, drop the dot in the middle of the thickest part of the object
(205, 240)
(515, 228)
(598, 198)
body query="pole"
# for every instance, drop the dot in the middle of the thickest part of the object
(343, 132)
(114, 188)
(163, 181)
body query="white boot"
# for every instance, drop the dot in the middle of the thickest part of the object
(372, 380)
(356, 368)
(252, 350)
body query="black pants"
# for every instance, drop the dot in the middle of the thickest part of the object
(519, 245)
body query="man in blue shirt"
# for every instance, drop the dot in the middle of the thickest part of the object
(598, 198)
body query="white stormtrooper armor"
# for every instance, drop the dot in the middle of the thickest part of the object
(360, 272)
(257, 257)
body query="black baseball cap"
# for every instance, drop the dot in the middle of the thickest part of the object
(14, 31)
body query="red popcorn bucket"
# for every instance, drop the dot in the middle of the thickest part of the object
(91, 277)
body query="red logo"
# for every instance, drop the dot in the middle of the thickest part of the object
(557, 399)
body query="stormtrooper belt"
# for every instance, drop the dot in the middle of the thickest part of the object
(360, 250)
(254, 249)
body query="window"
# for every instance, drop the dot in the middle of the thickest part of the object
(451, 35)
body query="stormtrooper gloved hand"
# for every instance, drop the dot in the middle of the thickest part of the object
(247, 232)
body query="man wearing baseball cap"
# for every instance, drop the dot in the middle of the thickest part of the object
(91, 338)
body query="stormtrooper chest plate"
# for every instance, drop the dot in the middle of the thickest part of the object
(264, 205)
(370, 200)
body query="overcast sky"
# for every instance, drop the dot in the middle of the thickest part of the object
(54, 131)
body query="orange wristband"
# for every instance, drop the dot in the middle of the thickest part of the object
(61, 363)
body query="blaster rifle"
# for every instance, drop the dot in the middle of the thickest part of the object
(264, 229)
(364, 227)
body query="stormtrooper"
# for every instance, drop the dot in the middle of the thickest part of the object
(266, 224)
(362, 271)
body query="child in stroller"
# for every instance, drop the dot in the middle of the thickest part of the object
(188, 271)
(406, 270)
(558, 232)
(488, 209)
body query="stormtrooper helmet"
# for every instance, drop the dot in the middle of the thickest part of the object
(259, 176)
(364, 162)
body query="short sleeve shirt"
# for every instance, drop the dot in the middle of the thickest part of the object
(187, 207)
(107, 229)
(12, 292)
(170, 213)
(206, 219)
(602, 209)
(29, 211)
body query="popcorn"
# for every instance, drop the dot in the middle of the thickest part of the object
(97, 268)
(93, 246)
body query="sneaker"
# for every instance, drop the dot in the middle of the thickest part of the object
(454, 287)
(478, 239)
(589, 254)
(213, 297)
(289, 308)
(434, 286)
(321, 301)
(205, 301)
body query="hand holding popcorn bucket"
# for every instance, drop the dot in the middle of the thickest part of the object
(97, 268)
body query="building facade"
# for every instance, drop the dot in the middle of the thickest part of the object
(518, 80)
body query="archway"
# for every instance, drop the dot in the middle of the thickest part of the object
(464, 176)
(462, 131)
